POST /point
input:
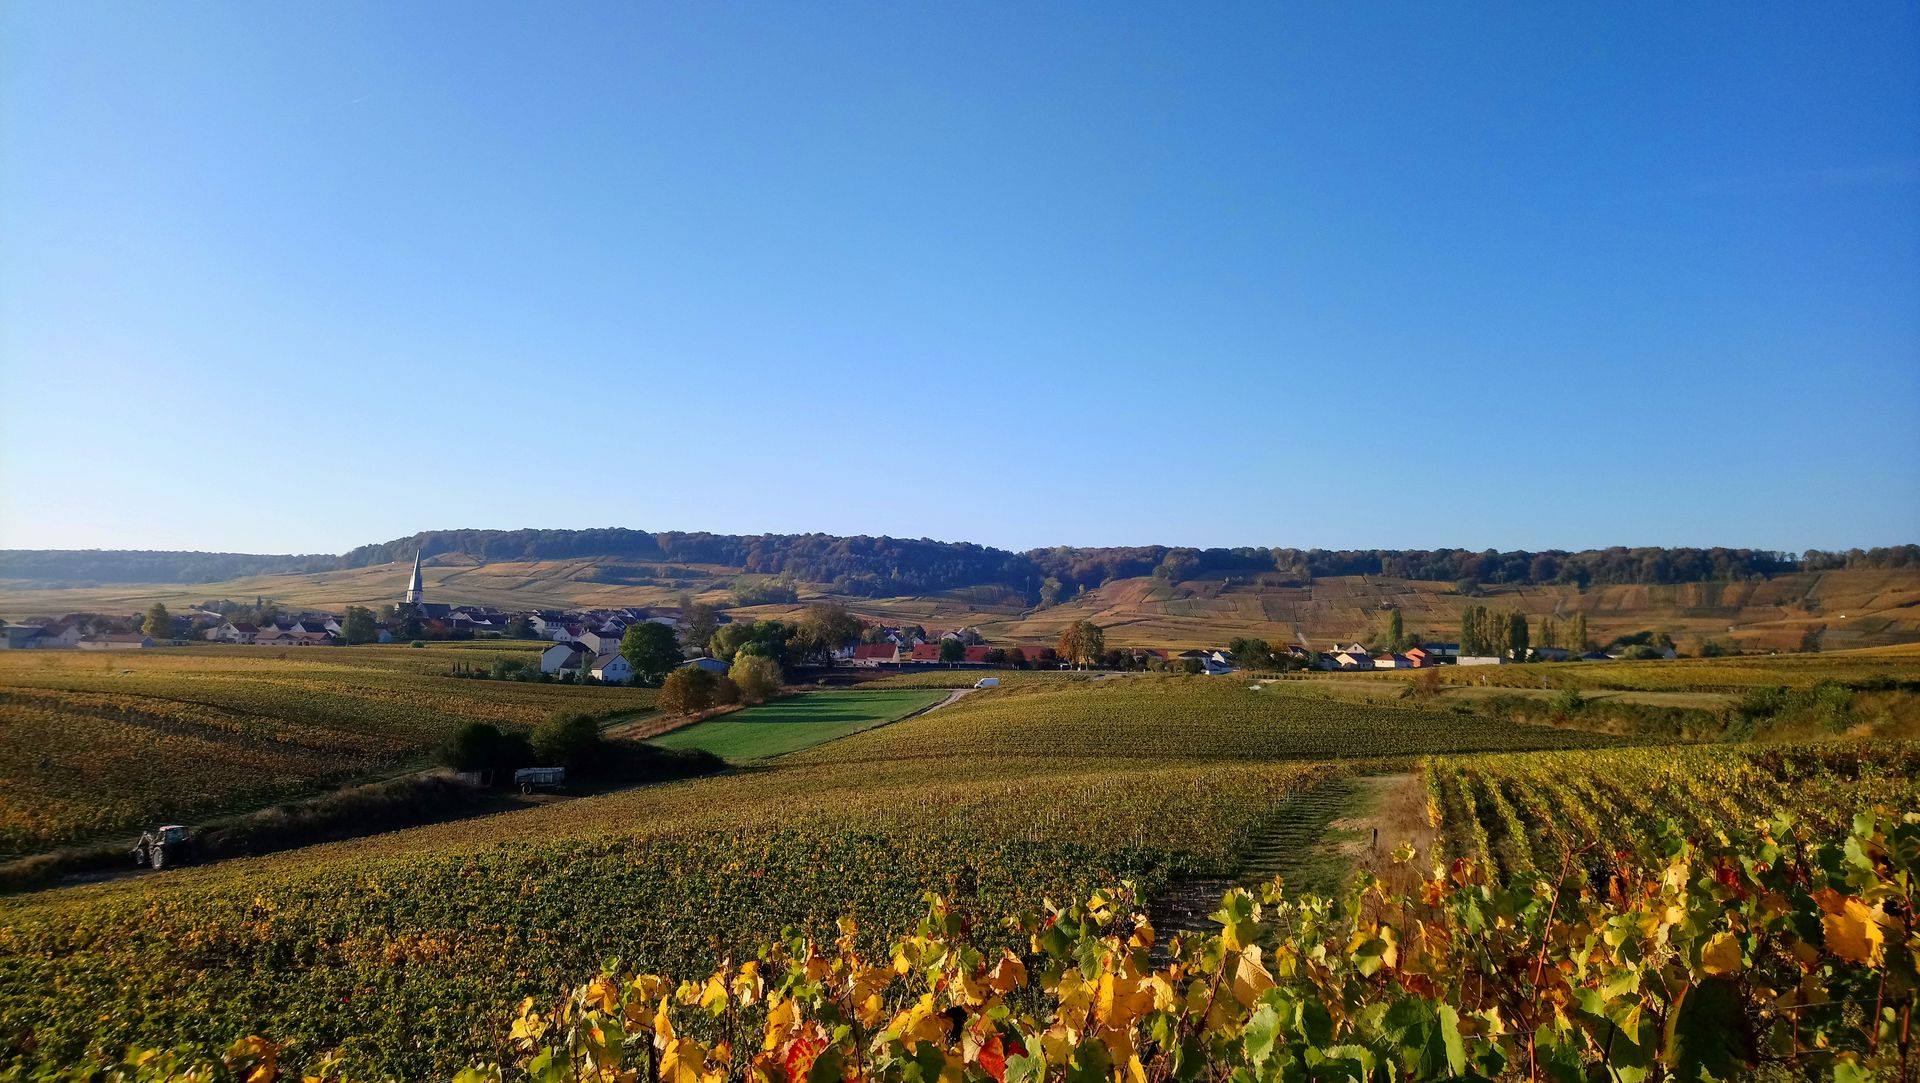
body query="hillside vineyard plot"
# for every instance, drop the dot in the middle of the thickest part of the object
(1193, 718)
(1519, 813)
(94, 744)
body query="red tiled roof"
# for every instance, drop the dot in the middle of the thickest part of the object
(926, 652)
(978, 654)
(870, 651)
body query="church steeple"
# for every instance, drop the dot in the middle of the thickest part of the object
(414, 591)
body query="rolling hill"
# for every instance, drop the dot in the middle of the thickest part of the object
(1151, 596)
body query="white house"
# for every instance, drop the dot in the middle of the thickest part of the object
(601, 642)
(612, 668)
(115, 641)
(1355, 658)
(1391, 661)
(234, 632)
(563, 656)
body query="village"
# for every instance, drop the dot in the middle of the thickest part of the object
(586, 644)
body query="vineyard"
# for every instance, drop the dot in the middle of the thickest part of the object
(93, 744)
(1526, 813)
(407, 953)
(1195, 718)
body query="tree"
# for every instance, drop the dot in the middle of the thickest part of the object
(1050, 588)
(686, 690)
(1081, 642)
(1517, 635)
(569, 741)
(830, 627)
(359, 626)
(757, 679)
(1810, 640)
(1395, 637)
(159, 623)
(952, 650)
(1577, 633)
(1471, 642)
(519, 628)
(472, 747)
(1251, 653)
(406, 621)
(651, 650)
(700, 621)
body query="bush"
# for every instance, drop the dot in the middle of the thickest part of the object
(473, 747)
(569, 741)
(688, 689)
(757, 678)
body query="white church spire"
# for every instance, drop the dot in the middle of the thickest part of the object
(414, 591)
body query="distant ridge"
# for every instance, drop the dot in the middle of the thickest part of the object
(885, 566)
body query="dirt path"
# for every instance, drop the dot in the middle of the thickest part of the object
(1314, 842)
(1393, 810)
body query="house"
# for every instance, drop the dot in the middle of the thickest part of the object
(234, 632)
(564, 656)
(1441, 650)
(1548, 654)
(115, 641)
(977, 654)
(612, 668)
(1595, 656)
(1352, 659)
(65, 633)
(19, 637)
(1215, 665)
(924, 652)
(1390, 660)
(1037, 657)
(877, 654)
(1418, 658)
(599, 642)
(711, 665)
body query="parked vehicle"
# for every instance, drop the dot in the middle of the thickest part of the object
(163, 846)
(528, 778)
(987, 682)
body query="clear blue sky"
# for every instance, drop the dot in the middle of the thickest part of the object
(280, 277)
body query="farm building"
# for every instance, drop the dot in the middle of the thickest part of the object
(876, 654)
(711, 665)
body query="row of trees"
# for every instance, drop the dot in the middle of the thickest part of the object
(1485, 633)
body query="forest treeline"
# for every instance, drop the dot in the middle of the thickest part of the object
(878, 567)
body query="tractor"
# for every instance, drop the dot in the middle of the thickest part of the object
(163, 846)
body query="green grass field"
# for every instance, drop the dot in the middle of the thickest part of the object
(788, 725)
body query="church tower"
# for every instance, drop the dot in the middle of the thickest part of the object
(414, 592)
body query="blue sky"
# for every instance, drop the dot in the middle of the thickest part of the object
(292, 278)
